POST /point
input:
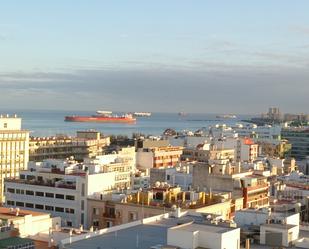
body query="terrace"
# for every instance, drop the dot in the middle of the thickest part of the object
(59, 184)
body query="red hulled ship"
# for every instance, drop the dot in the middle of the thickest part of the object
(104, 118)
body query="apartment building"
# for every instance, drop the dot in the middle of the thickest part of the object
(86, 144)
(299, 138)
(156, 157)
(230, 178)
(208, 153)
(121, 162)
(255, 191)
(14, 149)
(174, 176)
(58, 187)
(110, 210)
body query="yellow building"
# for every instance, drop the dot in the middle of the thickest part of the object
(107, 211)
(14, 149)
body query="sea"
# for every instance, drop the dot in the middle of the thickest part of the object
(51, 122)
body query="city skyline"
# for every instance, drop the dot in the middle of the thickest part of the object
(171, 56)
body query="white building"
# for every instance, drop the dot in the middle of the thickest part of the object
(174, 176)
(245, 149)
(188, 141)
(14, 149)
(58, 187)
(267, 133)
(278, 234)
(263, 216)
(140, 180)
(192, 235)
(123, 163)
(27, 222)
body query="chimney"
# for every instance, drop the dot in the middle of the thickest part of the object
(138, 197)
(183, 197)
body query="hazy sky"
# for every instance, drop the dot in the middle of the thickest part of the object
(160, 55)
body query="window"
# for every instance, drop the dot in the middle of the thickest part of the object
(5, 125)
(11, 203)
(59, 209)
(29, 205)
(82, 204)
(30, 177)
(49, 195)
(82, 218)
(22, 177)
(49, 208)
(96, 211)
(29, 192)
(20, 191)
(69, 223)
(70, 197)
(39, 193)
(39, 206)
(132, 216)
(59, 196)
(83, 189)
(95, 223)
(19, 204)
(69, 210)
(11, 190)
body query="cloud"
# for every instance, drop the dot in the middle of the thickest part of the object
(300, 29)
(222, 89)
(3, 37)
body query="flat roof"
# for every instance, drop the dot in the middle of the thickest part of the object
(143, 236)
(6, 213)
(204, 227)
(279, 226)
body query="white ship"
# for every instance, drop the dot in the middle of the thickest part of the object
(226, 116)
(104, 112)
(142, 114)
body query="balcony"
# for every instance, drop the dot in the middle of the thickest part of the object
(42, 183)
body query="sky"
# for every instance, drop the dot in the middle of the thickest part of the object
(160, 56)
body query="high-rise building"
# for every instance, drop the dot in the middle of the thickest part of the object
(14, 149)
(299, 138)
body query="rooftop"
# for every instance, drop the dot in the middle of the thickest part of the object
(14, 241)
(140, 236)
(7, 213)
(192, 227)
(134, 236)
(279, 226)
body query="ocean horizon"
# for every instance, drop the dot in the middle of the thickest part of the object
(51, 122)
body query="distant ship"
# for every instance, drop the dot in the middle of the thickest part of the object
(104, 112)
(142, 114)
(226, 116)
(102, 118)
(182, 114)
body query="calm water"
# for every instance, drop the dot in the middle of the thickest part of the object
(48, 123)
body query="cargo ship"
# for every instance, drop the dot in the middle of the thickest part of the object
(102, 118)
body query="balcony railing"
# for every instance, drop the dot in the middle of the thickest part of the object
(42, 183)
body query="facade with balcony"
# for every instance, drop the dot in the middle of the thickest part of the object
(58, 187)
